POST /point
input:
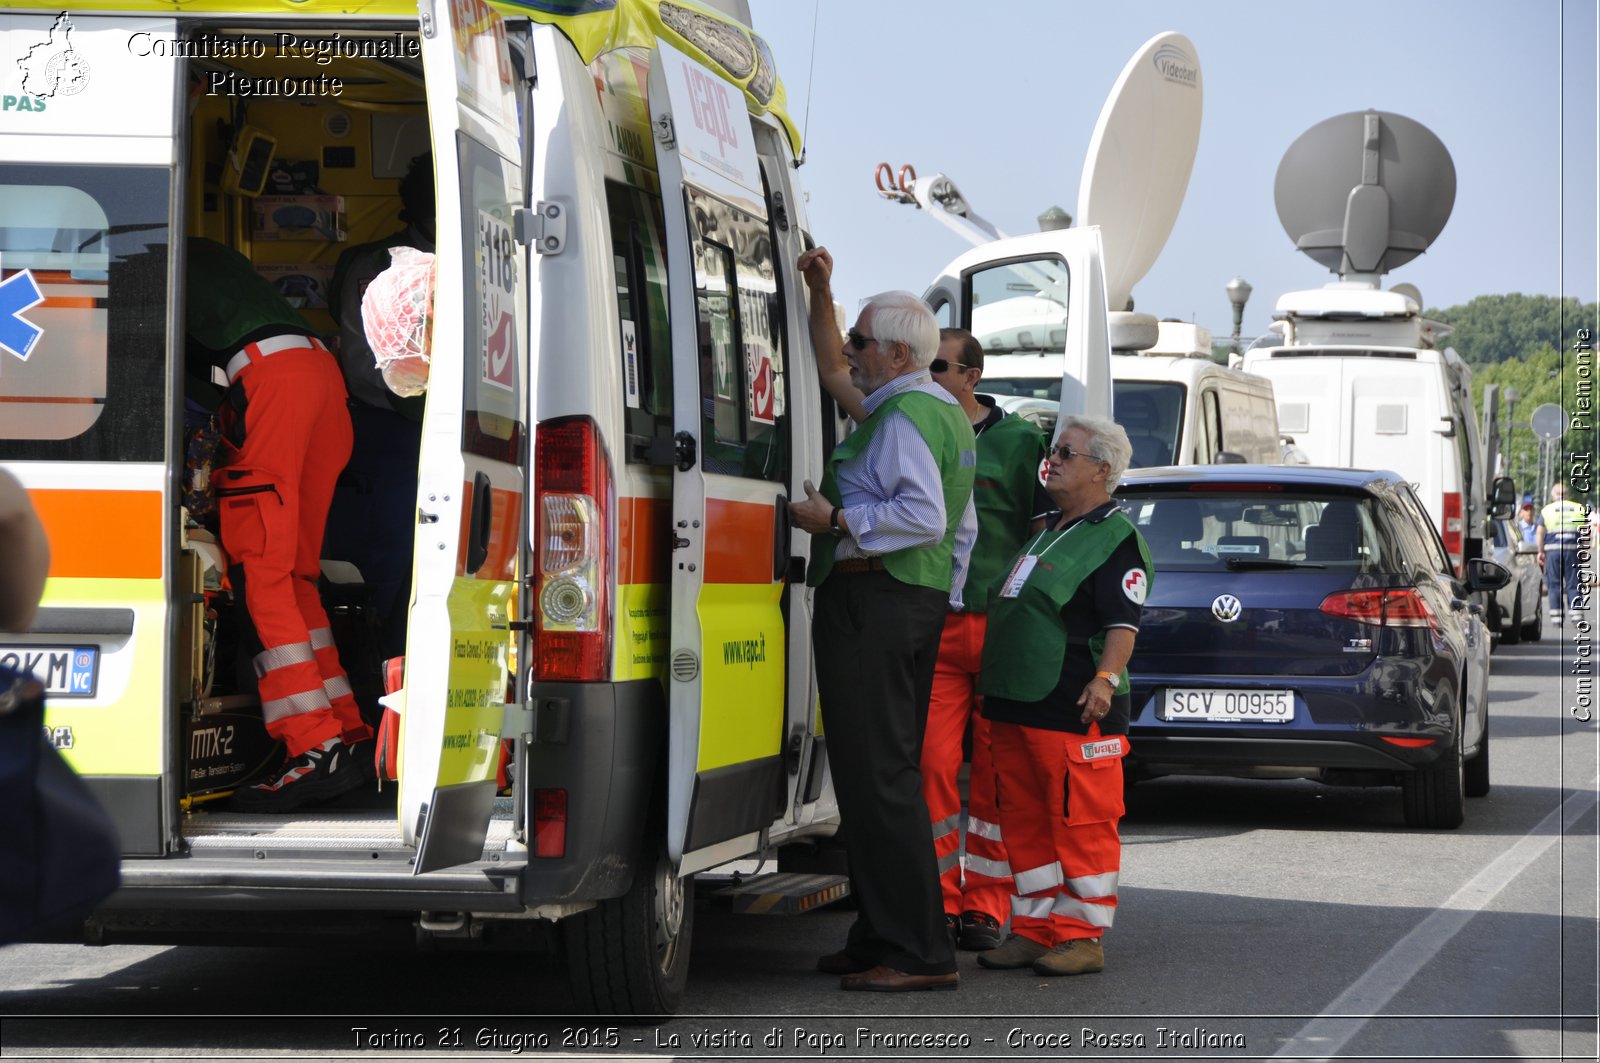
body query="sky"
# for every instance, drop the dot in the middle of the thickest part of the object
(1003, 96)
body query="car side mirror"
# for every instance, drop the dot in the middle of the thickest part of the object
(1502, 497)
(1229, 457)
(1486, 575)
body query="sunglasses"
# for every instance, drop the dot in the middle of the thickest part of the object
(1066, 453)
(940, 365)
(857, 341)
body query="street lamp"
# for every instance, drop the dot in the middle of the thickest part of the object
(1053, 219)
(1238, 294)
(1510, 396)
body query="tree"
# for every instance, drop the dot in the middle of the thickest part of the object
(1496, 328)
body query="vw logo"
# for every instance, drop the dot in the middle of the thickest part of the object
(1226, 608)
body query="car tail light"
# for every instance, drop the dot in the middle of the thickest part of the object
(572, 571)
(550, 823)
(1450, 530)
(1408, 743)
(1393, 607)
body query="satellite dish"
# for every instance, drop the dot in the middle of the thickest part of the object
(1365, 192)
(1139, 159)
(1410, 291)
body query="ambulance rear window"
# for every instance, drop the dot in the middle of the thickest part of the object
(83, 309)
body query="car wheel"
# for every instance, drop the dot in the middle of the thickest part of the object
(1435, 797)
(1475, 775)
(1534, 630)
(1511, 633)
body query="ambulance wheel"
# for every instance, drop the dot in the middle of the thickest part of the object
(630, 956)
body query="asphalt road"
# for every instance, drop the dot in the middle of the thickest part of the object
(1257, 920)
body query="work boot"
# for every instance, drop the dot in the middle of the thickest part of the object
(1078, 956)
(979, 932)
(319, 774)
(1017, 952)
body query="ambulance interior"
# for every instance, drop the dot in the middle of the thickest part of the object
(291, 182)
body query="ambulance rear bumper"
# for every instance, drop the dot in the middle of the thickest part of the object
(604, 745)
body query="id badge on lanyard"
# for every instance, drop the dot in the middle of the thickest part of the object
(1019, 575)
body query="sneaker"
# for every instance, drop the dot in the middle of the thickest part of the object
(319, 774)
(1078, 956)
(952, 926)
(1017, 952)
(979, 932)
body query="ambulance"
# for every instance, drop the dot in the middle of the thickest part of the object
(607, 690)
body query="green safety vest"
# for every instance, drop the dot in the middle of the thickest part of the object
(1563, 516)
(227, 300)
(1025, 645)
(1009, 453)
(948, 433)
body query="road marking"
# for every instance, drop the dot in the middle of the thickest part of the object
(1325, 1036)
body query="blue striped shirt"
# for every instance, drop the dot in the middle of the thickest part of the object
(892, 494)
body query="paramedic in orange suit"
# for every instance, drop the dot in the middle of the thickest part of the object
(287, 437)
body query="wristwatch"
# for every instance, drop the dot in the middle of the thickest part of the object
(1110, 677)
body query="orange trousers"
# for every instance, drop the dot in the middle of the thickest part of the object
(984, 885)
(1060, 800)
(273, 497)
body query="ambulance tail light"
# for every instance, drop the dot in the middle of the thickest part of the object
(1450, 530)
(572, 577)
(550, 823)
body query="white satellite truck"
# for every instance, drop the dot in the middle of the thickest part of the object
(1363, 379)
(1010, 291)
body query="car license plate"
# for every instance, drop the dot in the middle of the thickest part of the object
(1235, 706)
(65, 671)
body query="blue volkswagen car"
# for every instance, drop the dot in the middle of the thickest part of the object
(1306, 623)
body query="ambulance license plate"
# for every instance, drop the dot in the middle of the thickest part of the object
(65, 671)
(1228, 706)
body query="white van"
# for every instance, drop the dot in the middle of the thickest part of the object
(1363, 383)
(1177, 405)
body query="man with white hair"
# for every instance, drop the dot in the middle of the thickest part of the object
(892, 529)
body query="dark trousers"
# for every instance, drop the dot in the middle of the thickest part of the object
(876, 643)
(373, 522)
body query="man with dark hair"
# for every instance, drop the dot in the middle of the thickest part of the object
(373, 522)
(1007, 493)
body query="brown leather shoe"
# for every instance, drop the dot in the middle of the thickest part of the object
(842, 962)
(888, 980)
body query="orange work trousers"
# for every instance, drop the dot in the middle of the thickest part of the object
(1060, 800)
(985, 883)
(273, 497)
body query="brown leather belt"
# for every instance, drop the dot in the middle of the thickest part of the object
(860, 564)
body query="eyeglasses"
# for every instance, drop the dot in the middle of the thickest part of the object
(940, 365)
(857, 341)
(1066, 453)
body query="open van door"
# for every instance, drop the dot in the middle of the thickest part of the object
(473, 467)
(1040, 294)
(726, 779)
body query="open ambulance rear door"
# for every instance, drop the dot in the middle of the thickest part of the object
(1044, 293)
(729, 669)
(87, 415)
(473, 471)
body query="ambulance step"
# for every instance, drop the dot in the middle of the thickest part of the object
(785, 893)
(320, 828)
